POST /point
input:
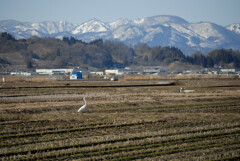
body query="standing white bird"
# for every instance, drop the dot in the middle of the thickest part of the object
(84, 106)
(181, 90)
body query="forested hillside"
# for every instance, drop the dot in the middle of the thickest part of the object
(49, 52)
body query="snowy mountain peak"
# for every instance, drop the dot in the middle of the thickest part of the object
(162, 19)
(169, 19)
(93, 25)
(234, 27)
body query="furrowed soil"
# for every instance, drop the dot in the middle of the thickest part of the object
(123, 120)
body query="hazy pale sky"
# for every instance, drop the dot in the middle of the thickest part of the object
(222, 12)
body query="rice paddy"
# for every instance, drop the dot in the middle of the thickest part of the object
(121, 123)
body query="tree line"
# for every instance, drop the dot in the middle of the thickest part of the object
(48, 52)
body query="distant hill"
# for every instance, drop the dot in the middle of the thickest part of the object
(69, 52)
(155, 31)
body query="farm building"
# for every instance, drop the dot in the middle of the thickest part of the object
(76, 75)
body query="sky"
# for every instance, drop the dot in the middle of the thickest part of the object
(221, 12)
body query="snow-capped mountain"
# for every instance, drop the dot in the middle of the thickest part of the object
(234, 27)
(28, 29)
(155, 31)
(48, 27)
(92, 26)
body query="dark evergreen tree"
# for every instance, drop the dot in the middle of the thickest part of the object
(7, 36)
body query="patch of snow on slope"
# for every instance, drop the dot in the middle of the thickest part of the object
(126, 32)
(23, 28)
(120, 22)
(151, 32)
(204, 30)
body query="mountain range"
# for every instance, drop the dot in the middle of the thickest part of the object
(160, 30)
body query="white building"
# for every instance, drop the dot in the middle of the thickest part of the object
(114, 72)
(21, 73)
(97, 73)
(53, 71)
(227, 70)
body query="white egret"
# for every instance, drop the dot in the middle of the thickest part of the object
(84, 106)
(181, 90)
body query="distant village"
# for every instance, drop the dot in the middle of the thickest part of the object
(77, 73)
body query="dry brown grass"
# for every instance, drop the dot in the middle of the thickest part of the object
(46, 78)
(11, 79)
(148, 123)
(178, 76)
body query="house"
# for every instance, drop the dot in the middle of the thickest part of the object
(152, 69)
